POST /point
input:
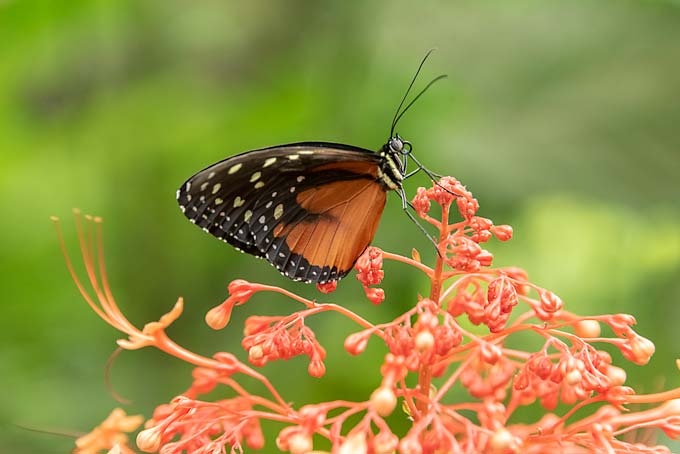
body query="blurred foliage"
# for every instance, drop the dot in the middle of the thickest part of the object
(561, 117)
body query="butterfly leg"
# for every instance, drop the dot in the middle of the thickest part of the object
(433, 176)
(413, 172)
(405, 204)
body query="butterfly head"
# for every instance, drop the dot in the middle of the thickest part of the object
(397, 151)
(398, 146)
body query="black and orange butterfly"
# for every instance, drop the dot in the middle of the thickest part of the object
(309, 208)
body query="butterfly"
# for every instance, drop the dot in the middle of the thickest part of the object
(308, 208)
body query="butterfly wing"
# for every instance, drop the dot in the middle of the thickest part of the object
(310, 209)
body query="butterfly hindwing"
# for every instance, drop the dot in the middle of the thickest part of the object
(310, 209)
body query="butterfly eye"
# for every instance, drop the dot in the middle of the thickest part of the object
(396, 144)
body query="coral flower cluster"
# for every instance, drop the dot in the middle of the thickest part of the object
(459, 335)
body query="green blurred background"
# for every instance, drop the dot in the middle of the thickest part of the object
(562, 117)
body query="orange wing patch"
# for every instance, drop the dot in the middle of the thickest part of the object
(345, 217)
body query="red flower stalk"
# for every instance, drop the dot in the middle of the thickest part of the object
(427, 341)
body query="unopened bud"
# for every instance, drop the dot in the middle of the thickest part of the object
(573, 377)
(587, 329)
(316, 368)
(354, 444)
(503, 441)
(218, 316)
(642, 350)
(383, 401)
(385, 442)
(328, 287)
(549, 301)
(375, 295)
(424, 341)
(255, 352)
(149, 440)
(616, 375)
(502, 232)
(490, 353)
(356, 343)
(300, 443)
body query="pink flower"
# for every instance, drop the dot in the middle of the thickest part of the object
(586, 406)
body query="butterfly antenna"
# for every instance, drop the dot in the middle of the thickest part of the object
(432, 82)
(408, 90)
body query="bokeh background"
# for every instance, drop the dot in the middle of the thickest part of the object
(562, 117)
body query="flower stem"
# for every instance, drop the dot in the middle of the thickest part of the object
(425, 372)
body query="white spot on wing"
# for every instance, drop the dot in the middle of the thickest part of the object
(269, 162)
(262, 219)
(259, 184)
(234, 168)
(300, 178)
(247, 215)
(204, 185)
(293, 157)
(216, 188)
(238, 201)
(256, 176)
(278, 211)
(219, 201)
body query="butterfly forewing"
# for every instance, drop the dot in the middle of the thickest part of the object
(310, 209)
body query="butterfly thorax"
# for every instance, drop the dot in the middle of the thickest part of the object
(390, 173)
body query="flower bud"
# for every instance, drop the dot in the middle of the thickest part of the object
(356, 343)
(354, 444)
(485, 258)
(299, 443)
(616, 375)
(383, 401)
(502, 232)
(410, 445)
(503, 441)
(241, 290)
(218, 316)
(549, 301)
(375, 295)
(573, 377)
(385, 442)
(316, 368)
(587, 329)
(149, 440)
(642, 350)
(255, 353)
(328, 287)
(424, 341)
(421, 203)
(490, 353)
(254, 437)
